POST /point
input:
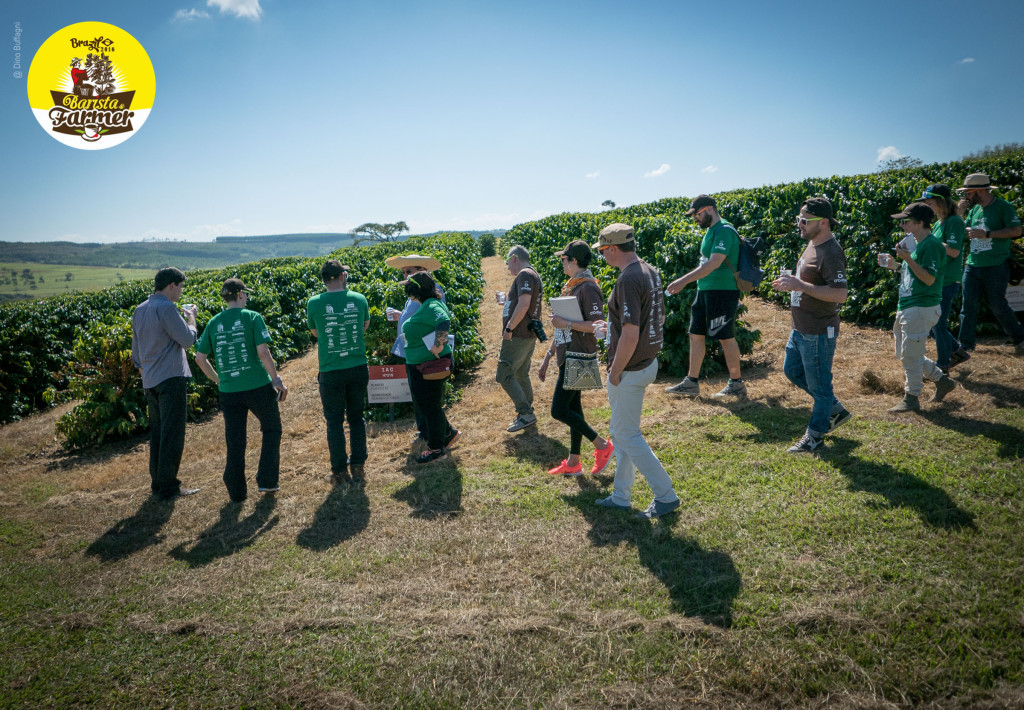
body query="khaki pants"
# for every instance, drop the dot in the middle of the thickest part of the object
(514, 372)
(911, 331)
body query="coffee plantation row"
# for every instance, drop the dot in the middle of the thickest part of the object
(79, 346)
(670, 241)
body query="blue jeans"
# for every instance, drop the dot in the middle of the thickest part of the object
(945, 343)
(992, 281)
(808, 365)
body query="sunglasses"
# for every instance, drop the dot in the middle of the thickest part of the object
(804, 220)
(698, 212)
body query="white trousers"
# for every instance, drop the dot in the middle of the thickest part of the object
(911, 331)
(632, 451)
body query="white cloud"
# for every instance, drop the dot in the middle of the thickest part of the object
(709, 169)
(889, 152)
(665, 167)
(190, 15)
(591, 176)
(238, 8)
(967, 60)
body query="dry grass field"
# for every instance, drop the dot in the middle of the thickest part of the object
(886, 571)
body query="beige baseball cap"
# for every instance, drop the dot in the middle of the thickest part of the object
(613, 234)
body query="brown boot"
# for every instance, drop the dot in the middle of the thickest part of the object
(943, 386)
(358, 474)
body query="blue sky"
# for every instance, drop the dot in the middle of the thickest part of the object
(278, 117)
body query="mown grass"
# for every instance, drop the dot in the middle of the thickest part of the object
(886, 571)
(55, 282)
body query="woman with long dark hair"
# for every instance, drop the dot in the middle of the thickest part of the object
(429, 365)
(950, 230)
(576, 336)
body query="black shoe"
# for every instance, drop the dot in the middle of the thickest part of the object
(838, 419)
(960, 356)
(431, 455)
(808, 444)
(453, 438)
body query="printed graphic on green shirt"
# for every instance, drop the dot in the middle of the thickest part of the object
(986, 251)
(232, 336)
(930, 256)
(338, 318)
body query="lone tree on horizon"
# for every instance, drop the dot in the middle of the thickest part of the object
(609, 204)
(379, 232)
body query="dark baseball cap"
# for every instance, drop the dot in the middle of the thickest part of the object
(233, 287)
(701, 202)
(576, 249)
(917, 211)
(821, 207)
(332, 269)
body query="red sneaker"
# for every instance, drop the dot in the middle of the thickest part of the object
(602, 457)
(564, 469)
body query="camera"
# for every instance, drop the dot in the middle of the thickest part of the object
(538, 328)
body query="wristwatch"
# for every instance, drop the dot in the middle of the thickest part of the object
(507, 329)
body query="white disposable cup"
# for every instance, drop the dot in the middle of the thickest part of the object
(501, 298)
(599, 331)
(193, 308)
(785, 272)
(392, 314)
(887, 261)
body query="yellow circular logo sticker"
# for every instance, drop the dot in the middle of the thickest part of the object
(91, 85)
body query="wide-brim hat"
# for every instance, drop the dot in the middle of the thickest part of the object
(400, 262)
(976, 181)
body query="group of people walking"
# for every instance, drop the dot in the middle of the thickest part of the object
(929, 258)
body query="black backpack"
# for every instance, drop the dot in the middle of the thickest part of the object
(749, 273)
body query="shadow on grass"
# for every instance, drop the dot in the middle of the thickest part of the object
(1009, 438)
(775, 423)
(932, 504)
(701, 583)
(229, 534)
(1002, 396)
(435, 491)
(344, 514)
(134, 533)
(537, 448)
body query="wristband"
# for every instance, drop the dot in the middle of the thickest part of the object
(507, 329)
(988, 233)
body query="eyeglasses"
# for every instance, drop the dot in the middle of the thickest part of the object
(563, 258)
(697, 213)
(804, 220)
(930, 196)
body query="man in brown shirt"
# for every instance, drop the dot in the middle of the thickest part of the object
(817, 291)
(636, 315)
(522, 305)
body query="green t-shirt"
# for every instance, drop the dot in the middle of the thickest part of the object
(930, 255)
(998, 215)
(338, 318)
(953, 234)
(423, 322)
(720, 239)
(232, 336)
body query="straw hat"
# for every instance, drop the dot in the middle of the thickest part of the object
(400, 262)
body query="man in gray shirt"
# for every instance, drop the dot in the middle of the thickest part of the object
(159, 338)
